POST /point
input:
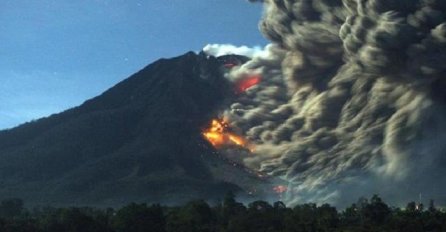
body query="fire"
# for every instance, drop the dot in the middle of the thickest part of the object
(237, 140)
(215, 134)
(219, 135)
(248, 82)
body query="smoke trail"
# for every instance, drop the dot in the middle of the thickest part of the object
(352, 98)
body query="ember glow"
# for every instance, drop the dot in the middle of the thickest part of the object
(248, 82)
(219, 135)
(230, 65)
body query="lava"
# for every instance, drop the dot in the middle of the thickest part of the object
(248, 82)
(219, 135)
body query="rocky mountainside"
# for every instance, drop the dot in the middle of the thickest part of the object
(138, 141)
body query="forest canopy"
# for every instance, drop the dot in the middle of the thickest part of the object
(229, 215)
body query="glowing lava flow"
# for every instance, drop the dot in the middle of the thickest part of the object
(248, 82)
(219, 135)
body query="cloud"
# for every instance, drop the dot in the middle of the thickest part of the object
(350, 102)
(229, 49)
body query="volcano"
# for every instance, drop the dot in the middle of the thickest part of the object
(139, 141)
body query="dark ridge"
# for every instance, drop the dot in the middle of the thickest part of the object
(138, 141)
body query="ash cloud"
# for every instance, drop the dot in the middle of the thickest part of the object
(351, 101)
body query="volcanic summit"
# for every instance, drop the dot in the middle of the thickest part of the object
(141, 141)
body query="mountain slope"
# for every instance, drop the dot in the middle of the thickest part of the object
(138, 141)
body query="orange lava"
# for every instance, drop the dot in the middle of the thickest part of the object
(248, 82)
(218, 135)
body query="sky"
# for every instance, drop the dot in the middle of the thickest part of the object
(55, 54)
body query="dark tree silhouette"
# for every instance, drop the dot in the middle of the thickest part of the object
(139, 217)
(10, 208)
(366, 215)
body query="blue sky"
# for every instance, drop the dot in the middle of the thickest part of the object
(55, 54)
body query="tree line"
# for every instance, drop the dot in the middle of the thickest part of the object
(228, 216)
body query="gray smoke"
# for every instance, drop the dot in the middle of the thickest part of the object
(352, 98)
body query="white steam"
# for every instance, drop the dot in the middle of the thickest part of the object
(229, 49)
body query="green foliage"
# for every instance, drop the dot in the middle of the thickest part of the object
(71, 220)
(10, 208)
(196, 216)
(139, 217)
(366, 215)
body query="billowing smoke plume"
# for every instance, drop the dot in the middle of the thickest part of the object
(352, 98)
